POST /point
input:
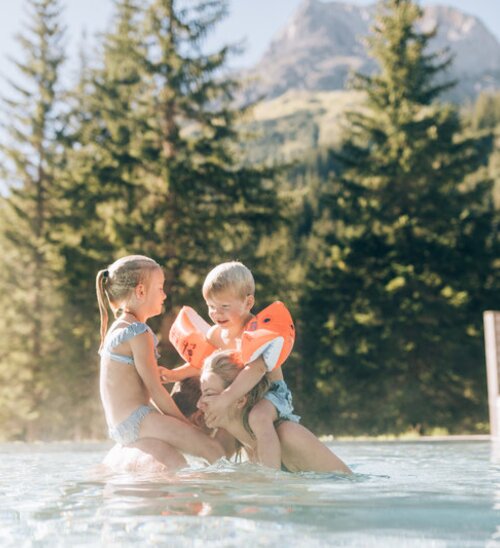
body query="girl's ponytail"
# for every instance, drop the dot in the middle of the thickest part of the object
(101, 279)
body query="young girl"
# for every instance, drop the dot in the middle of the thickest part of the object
(129, 379)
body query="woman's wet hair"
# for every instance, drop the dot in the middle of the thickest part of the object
(117, 282)
(226, 364)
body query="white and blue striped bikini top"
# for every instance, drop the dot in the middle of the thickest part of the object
(122, 334)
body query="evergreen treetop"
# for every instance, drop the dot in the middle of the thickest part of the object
(406, 256)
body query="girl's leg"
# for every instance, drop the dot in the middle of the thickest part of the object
(180, 435)
(160, 453)
(147, 455)
(261, 420)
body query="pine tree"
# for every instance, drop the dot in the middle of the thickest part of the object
(154, 168)
(97, 193)
(201, 206)
(485, 113)
(31, 351)
(404, 250)
(98, 188)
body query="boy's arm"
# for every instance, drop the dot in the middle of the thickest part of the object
(213, 336)
(246, 379)
(179, 373)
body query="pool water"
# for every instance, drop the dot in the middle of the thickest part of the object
(428, 494)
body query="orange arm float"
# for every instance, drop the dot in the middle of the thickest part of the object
(188, 336)
(270, 334)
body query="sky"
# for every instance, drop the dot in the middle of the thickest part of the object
(253, 22)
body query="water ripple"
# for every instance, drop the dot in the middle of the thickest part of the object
(405, 494)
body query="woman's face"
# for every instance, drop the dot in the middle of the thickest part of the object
(212, 385)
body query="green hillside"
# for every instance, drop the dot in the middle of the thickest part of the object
(295, 123)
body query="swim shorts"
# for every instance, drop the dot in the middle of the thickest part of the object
(281, 397)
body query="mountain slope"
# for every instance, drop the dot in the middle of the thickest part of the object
(324, 42)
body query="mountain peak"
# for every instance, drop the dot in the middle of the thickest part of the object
(325, 41)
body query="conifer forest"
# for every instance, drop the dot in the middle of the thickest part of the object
(385, 245)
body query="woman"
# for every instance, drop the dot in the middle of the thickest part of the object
(301, 450)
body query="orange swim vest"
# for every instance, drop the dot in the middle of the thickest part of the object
(188, 334)
(270, 333)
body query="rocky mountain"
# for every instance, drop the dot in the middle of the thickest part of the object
(325, 41)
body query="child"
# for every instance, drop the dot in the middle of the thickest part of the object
(129, 378)
(229, 293)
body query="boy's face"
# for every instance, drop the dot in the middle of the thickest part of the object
(228, 310)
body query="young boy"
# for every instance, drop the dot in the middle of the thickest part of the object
(229, 291)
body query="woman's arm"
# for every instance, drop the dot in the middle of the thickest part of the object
(302, 451)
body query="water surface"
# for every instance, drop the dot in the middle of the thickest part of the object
(402, 494)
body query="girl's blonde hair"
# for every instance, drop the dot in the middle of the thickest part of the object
(117, 282)
(233, 276)
(227, 364)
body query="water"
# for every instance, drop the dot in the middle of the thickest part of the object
(431, 494)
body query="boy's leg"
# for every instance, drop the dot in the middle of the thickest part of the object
(261, 420)
(180, 435)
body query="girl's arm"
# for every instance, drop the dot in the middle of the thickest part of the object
(145, 363)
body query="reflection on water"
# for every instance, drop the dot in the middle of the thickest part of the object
(495, 473)
(402, 494)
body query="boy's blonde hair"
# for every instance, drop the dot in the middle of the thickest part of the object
(117, 282)
(233, 276)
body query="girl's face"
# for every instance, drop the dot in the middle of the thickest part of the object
(154, 293)
(228, 310)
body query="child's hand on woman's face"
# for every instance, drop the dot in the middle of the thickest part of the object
(215, 409)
